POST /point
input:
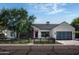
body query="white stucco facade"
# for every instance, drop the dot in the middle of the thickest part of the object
(61, 27)
(39, 31)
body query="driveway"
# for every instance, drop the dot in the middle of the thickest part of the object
(69, 42)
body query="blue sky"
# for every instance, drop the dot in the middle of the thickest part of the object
(53, 12)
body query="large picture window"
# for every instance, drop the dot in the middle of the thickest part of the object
(44, 34)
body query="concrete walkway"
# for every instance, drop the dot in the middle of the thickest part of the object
(69, 42)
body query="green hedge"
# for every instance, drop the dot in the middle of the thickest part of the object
(76, 31)
(44, 42)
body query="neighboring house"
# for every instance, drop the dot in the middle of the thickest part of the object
(61, 31)
(9, 34)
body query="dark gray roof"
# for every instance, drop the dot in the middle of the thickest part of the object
(45, 26)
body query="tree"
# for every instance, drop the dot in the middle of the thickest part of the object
(24, 25)
(75, 23)
(16, 19)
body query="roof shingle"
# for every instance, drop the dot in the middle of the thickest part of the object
(45, 26)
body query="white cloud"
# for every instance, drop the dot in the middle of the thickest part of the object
(55, 9)
(49, 8)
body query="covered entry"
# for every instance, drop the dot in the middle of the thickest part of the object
(64, 35)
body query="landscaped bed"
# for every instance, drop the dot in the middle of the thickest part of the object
(46, 42)
(25, 41)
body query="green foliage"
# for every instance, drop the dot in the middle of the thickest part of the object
(44, 42)
(75, 21)
(16, 19)
(77, 32)
(22, 41)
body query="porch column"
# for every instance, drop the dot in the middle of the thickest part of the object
(33, 33)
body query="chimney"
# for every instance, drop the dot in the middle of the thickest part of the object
(47, 22)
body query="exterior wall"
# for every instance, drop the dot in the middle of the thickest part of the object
(36, 29)
(39, 32)
(51, 33)
(63, 27)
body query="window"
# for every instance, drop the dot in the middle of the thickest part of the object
(44, 34)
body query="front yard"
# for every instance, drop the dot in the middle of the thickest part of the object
(26, 41)
(46, 42)
(23, 41)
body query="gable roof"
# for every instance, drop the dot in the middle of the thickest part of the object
(66, 23)
(49, 26)
(45, 26)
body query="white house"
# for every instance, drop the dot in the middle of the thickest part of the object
(61, 31)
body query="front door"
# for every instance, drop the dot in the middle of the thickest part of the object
(36, 34)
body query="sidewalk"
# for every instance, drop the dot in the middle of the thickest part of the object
(69, 42)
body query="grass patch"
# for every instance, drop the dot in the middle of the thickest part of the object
(22, 41)
(25, 41)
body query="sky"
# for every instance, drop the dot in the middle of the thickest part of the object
(55, 13)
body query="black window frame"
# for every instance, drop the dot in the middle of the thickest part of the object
(45, 34)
